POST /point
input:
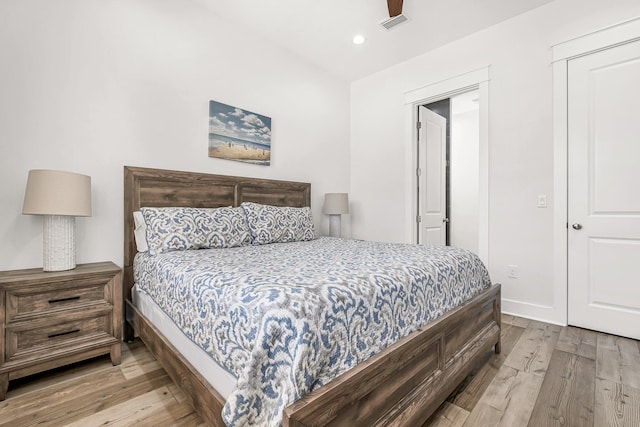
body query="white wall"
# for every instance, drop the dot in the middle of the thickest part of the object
(91, 85)
(520, 141)
(464, 173)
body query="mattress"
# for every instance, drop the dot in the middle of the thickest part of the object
(221, 380)
(286, 318)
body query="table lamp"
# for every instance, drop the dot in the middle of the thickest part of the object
(335, 204)
(59, 196)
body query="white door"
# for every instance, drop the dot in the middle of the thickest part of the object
(432, 180)
(604, 191)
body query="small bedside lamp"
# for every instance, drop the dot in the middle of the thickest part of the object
(335, 204)
(60, 197)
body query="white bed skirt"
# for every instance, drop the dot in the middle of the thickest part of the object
(218, 377)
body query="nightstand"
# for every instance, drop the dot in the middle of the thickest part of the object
(50, 319)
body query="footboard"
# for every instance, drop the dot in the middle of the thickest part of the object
(408, 381)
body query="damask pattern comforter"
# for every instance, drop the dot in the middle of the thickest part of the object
(286, 318)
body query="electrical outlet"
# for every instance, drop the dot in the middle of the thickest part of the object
(512, 271)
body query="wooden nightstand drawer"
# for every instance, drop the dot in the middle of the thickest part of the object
(38, 300)
(51, 319)
(24, 338)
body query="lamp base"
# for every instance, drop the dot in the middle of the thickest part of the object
(59, 248)
(334, 225)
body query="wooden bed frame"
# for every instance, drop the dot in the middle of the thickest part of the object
(403, 385)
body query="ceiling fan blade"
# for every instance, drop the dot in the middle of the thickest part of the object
(395, 7)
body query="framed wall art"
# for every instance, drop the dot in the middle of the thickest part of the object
(237, 134)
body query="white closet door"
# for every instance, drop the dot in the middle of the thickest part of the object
(604, 190)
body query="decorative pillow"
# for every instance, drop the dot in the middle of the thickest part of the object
(173, 229)
(273, 224)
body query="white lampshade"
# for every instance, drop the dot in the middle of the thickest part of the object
(60, 197)
(336, 203)
(52, 192)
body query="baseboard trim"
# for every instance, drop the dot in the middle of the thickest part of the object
(542, 313)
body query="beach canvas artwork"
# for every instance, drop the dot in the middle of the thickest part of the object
(237, 134)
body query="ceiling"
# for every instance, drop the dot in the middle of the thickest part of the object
(322, 30)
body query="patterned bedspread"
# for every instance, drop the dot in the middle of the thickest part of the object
(286, 318)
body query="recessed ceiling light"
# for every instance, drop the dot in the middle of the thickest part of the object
(358, 39)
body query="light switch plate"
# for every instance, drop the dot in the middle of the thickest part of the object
(542, 200)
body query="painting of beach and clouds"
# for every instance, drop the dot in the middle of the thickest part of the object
(237, 134)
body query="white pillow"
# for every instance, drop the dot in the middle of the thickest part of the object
(140, 232)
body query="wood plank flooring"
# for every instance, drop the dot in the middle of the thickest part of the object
(546, 375)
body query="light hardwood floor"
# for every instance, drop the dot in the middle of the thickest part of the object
(545, 375)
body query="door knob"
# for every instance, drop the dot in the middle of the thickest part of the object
(577, 226)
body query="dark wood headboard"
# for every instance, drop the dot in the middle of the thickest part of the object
(144, 187)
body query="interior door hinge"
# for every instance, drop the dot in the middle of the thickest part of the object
(418, 172)
(418, 125)
(418, 219)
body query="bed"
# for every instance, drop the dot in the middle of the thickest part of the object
(401, 385)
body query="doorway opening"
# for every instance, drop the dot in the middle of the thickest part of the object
(458, 166)
(473, 80)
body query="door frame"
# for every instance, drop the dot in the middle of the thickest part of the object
(474, 80)
(562, 53)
